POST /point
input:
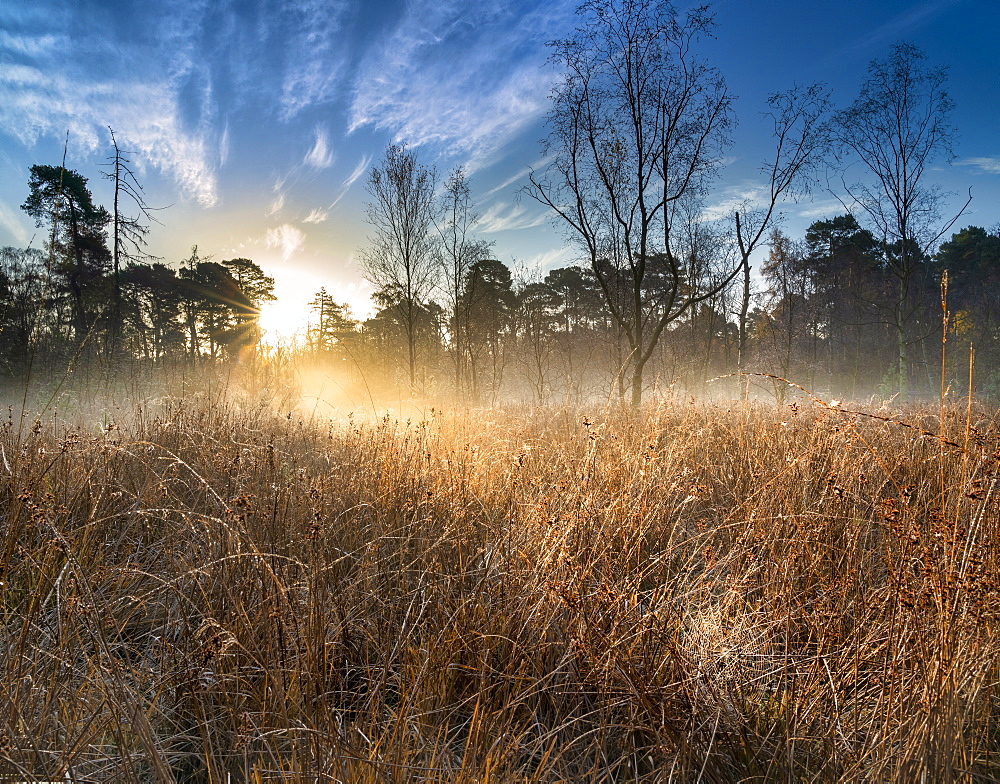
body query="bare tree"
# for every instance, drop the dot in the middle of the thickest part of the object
(897, 128)
(706, 248)
(457, 252)
(801, 133)
(399, 260)
(638, 122)
(128, 234)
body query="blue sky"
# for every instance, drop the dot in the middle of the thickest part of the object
(257, 121)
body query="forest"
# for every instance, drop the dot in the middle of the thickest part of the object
(821, 313)
(664, 296)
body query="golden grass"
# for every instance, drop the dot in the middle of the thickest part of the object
(689, 593)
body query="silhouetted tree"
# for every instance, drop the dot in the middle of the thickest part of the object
(394, 343)
(128, 233)
(254, 290)
(486, 311)
(788, 320)
(897, 128)
(537, 319)
(152, 296)
(638, 122)
(850, 294)
(399, 260)
(972, 260)
(60, 198)
(218, 315)
(331, 325)
(23, 306)
(457, 251)
(801, 135)
(580, 320)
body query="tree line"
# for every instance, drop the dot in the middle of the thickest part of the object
(662, 293)
(94, 293)
(821, 316)
(638, 130)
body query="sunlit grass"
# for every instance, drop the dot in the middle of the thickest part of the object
(750, 593)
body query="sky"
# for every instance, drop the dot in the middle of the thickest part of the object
(253, 123)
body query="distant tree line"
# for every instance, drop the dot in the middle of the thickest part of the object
(663, 294)
(821, 316)
(638, 129)
(48, 314)
(93, 294)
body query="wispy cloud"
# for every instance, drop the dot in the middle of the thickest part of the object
(316, 215)
(900, 26)
(32, 46)
(825, 208)
(12, 221)
(145, 118)
(320, 156)
(506, 217)
(550, 260)
(748, 196)
(51, 83)
(287, 238)
(276, 205)
(224, 146)
(286, 182)
(522, 174)
(345, 186)
(278, 202)
(728, 200)
(168, 88)
(315, 51)
(988, 165)
(467, 78)
(360, 169)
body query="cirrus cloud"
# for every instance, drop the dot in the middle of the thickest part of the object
(286, 238)
(145, 117)
(987, 165)
(468, 78)
(320, 156)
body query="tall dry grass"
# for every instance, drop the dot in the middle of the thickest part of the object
(214, 592)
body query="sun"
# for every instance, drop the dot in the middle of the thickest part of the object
(287, 318)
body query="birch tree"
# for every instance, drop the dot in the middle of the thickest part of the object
(899, 127)
(399, 260)
(638, 123)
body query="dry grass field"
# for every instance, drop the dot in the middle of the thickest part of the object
(208, 591)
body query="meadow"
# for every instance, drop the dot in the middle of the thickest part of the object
(206, 589)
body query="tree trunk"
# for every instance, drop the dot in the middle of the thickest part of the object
(741, 352)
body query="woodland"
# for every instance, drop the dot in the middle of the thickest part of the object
(663, 296)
